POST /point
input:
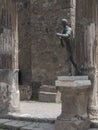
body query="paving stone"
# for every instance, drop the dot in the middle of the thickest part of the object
(39, 126)
(2, 121)
(3, 129)
(14, 125)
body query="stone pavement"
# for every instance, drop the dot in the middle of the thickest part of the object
(8, 124)
(38, 110)
(32, 116)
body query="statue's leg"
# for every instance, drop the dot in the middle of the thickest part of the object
(68, 66)
(78, 71)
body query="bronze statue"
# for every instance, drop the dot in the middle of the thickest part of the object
(67, 37)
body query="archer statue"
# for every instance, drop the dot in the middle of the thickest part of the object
(66, 38)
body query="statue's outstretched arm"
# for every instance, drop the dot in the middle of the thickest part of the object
(60, 35)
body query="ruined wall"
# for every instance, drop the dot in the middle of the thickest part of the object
(40, 50)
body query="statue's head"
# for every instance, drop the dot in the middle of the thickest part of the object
(64, 22)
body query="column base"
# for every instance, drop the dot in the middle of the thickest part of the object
(14, 104)
(93, 115)
(93, 112)
(9, 92)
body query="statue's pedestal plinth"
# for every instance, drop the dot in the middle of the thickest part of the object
(74, 92)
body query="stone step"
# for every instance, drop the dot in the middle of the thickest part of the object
(72, 78)
(47, 96)
(48, 88)
(49, 93)
(8, 124)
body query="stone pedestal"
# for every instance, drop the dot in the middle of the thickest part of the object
(74, 92)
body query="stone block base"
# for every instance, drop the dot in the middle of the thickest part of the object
(48, 88)
(72, 124)
(47, 97)
(49, 94)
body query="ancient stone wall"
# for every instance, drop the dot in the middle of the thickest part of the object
(40, 53)
(24, 41)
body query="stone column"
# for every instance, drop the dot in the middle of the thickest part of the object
(86, 47)
(73, 14)
(9, 91)
(74, 92)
